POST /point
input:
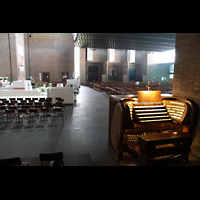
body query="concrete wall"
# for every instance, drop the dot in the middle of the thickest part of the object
(141, 64)
(158, 71)
(82, 66)
(100, 56)
(158, 65)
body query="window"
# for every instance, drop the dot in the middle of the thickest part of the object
(171, 71)
(77, 61)
(89, 54)
(131, 56)
(111, 55)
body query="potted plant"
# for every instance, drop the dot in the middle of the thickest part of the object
(42, 90)
(36, 85)
(50, 85)
(44, 84)
(33, 84)
(75, 94)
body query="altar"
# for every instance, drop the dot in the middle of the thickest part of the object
(22, 84)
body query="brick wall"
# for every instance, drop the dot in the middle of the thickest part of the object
(5, 57)
(49, 52)
(186, 81)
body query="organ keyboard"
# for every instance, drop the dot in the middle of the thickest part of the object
(130, 117)
(146, 113)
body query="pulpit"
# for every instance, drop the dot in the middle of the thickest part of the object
(74, 82)
(63, 92)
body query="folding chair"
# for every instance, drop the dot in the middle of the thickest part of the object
(33, 114)
(57, 112)
(56, 157)
(13, 162)
(22, 114)
(45, 113)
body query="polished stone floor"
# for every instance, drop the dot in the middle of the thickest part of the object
(82, 137)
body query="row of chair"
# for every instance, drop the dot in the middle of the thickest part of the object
(47, 159)
(18, 116)
(28, 100)
(31, 104)
(30, 111)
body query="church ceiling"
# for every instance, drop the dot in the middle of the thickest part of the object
(132, 41)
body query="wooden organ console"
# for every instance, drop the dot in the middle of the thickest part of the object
(132, 118)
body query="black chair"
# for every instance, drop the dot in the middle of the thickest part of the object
(34, 99)
(45, 113)
(42, 100)
(48, 99)
(22, 114)
(3, 115)
(12, 162)
(57, 112)
(11, 114)
(57, 98)
(27, 99)
(56, 157)
(33, 114)
(12, 99)
(59, 104)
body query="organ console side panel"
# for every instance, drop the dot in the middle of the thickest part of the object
(130, 117)
(117, 130)
(117, 121)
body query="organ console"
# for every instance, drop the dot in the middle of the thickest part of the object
(131, 118)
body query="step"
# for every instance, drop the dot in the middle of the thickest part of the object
(13, 92)
(20, 93)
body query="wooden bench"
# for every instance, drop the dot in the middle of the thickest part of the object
(97, 87)
(126, 88)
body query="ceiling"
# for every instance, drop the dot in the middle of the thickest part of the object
(132, 41)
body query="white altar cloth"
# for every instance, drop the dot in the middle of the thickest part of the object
(26, 84)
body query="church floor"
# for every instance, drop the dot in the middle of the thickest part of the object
(82, 137)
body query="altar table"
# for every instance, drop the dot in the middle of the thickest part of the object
(26, 84)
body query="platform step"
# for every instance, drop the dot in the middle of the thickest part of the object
(10, 92)
(19, 92)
